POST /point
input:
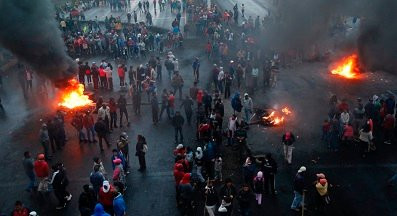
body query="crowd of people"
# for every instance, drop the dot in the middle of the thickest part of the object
(366, 124)
(200, 180)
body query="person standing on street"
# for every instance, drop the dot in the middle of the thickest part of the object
(299, 187)
(177, 122)
(88, 123)
(101, 131)
(122, 104)
(155, 108)
(87, 201)
(96, 179)
(270, 171)
(188, 106)
(177, 83)
(113, 113)
(248, 107)
(42, 172)
(211, 198)
(288, 140)
(45, 141)
(141, 149)
(196, 69)
(259, 184)
(59, 183)
(245, 197)
(28, 166)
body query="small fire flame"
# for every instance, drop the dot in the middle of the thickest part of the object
(347, 67)
(73, 96)
(275, 119)
(286, 111)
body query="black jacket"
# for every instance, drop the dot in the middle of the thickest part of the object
(100, 128)
(269, 167)
(177, 121)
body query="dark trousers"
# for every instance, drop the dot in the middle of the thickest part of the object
(104, 137)
(61, 195)
(164, 107)
(227, 91)
(189, 116)
(270, 183)
(122, 113)
(180, 91)
(113, 120)
(53, 143)
(142, 161)
(178, 130)
(46, 149)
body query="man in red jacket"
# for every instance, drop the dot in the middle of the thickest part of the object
(178, 175)
(105, 196)
(42, 172)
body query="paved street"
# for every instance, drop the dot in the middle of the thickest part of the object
(359, 185)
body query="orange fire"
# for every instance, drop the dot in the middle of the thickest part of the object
(286, 111)
(274, 119)
(347, 67)
(73, 96)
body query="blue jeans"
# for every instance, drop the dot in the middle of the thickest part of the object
(90, 133)
(81, 135)
(247, 114)
(297, 202)
(32, 179)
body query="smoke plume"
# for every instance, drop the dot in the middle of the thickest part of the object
(305, 23)
(29, 30)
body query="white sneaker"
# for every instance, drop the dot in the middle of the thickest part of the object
(69, 197)
(387, 142)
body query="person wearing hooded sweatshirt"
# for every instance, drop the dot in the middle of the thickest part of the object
(178, 175)
(198, 155)
(42, 172)
(119, 206)
(186, 190)
(259, 185)
(248, 107)
(236, 103)
(270, 171)
(299, 186)
(119, 175)
(99, 211)
(105, 196)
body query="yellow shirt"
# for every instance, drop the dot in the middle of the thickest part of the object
(322, 190)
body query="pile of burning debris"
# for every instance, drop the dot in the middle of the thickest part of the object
(270, 117)
(73, 98)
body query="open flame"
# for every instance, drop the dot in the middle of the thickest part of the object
(73, 96)
(274, 119)
(347, 67)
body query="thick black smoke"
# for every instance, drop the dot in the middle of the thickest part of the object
(377, 42)
(305, 23)
(29, 30)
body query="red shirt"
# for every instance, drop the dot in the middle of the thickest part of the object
(121, 72)
(41, 168)
(102, 72)
(88, 121)
(171, 100)
(106, 199)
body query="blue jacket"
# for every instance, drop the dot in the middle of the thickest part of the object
(236, 102)
(119, 205)
(96, 179)
(98, 211)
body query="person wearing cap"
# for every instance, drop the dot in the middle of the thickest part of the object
(299, 187)
(45, 141)
(33, 213)
(288, 140)
(106, 196)
(322, 196)
(42, 172)
(248, 107)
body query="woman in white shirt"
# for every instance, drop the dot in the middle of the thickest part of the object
(366, 140)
